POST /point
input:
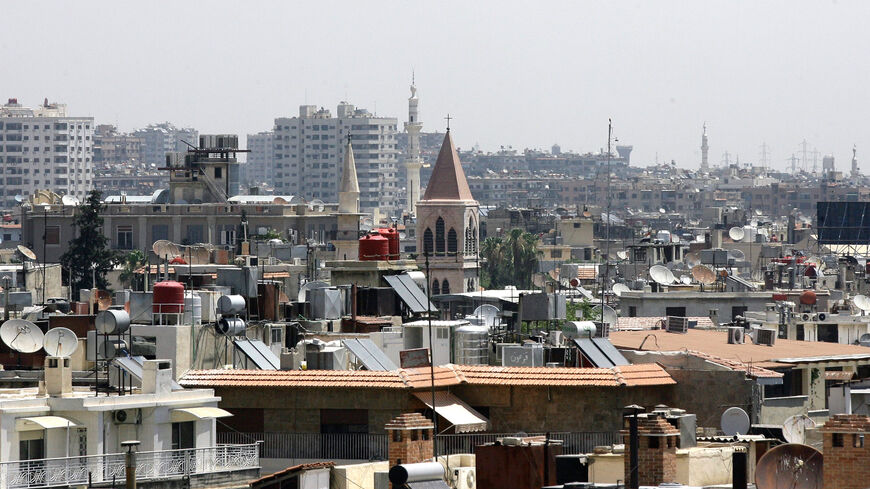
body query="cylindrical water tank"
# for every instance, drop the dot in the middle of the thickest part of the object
(578, 329)
(231, 304)
(392, 236)
(230, 327)
(112, 321)
(373, 247)
(168, 298)
(424, 471)
(192, 308)
(471, 345)
(110, 348)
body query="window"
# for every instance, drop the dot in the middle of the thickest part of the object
(445, 286)
(124, 239)
(452, 246)
(194, 234)
(218, 172)
(837, 440)
(427, 241)
(344, 421)
(442, 333)
(436, 287)
(653, 441)
(276, 334)
(52, 235)
(32, 449)
(439, 235)
(182, 436)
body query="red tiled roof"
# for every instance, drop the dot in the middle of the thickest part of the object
(408, 421)
(654, 426)
(445, 376)
(291, 470)
(587, 273)
(751, 370)
(839, 374)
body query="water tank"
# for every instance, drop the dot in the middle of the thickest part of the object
(373, 247)
(192, 309)
(231, 304)
(808, 298)
(471, 345)
(230, 327)
(392, 236)
(112, 321)
(168, 298)
(578, 329)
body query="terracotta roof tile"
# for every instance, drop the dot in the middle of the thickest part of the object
(290, 470)
(654, 425)
(751, 370)
(847, 423)
(408, 421)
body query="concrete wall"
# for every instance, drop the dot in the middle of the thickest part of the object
(696, 303)
(357, 476)
(695, 467)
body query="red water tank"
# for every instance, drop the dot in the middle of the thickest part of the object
(808, 298)
(168, 298)
(392, 236)
(373, 247)
(780, 297)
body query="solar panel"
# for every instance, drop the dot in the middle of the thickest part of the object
(591, 351)
(372, 357)
(610, 351)
(409, 292)
(134, 367)
(259, 353)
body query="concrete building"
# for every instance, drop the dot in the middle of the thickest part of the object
(163, 138)
(448, 220)
(308, 153)
(44, 148)
(259, 168)
(112, 148)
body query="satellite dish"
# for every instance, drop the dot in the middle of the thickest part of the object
(162, 248)
(758, 212)
(538, 280)
(794, 428)
(735, 421)
(554, 274)
(686, 280)
(26, 252)
(736, 234)
(303, 291)
(69, 200)
(610, 316)
(792, 465)
(402, 235)
(703, 274)
(737, 254)
(587, 214)
(661, 275)
(199, 255)
(862, 302)
(622, 255)
(60, 342)
(662, 210)
(19, 198)
(864, 340)
(753, 223)
(20, 335)
(488, 312)
(693, 259)
(279, 201)
(618, 289)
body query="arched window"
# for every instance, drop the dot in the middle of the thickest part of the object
(470, 285)
(452, 245)
(471, 233)
(445, 286)
(439, 235)
(427, 241)
(436, 289)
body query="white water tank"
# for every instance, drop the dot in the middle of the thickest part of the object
(578, 329)
(192, 308)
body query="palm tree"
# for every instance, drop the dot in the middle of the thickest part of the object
(132, 262)
(511, 260)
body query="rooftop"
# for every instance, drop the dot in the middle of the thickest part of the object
(448, 178)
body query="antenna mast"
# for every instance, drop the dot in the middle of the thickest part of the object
(606, 224)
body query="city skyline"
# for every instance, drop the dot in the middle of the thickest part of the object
(755, 74)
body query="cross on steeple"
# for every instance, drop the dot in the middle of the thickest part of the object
(448, 122)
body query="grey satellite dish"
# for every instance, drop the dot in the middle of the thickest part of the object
(610, 316)
(661, 275)
(60, 342)
(737, 254)
(488, 312)
(26, 252)
(794, 429)
(22, 336)
(693, 259)
(736, 234)
(303, 291)
(735, 421)
(618, 289)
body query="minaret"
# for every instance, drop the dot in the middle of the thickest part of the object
(346, 240)
(705, 166)
(413, 161)
(855, 162)
(348, 191)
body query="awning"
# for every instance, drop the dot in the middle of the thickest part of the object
(463, 417)
(839, 374)
(197, 413)
(42, 423)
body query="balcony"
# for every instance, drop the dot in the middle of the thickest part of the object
(150, 466)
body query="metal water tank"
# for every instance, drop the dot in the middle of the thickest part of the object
(471, 345)
(373, 247)
(168, 298)
(231, 304)
(192, 309)
(230, 327)
(392, 236)
(112, 321)
(578, 329)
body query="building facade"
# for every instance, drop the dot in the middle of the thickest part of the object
(309, 150)
(259, 169)
(159, 139)
(43, 148)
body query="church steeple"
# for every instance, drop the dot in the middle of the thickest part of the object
(448, 179)
(348, 190)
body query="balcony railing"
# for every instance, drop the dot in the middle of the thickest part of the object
(70, 471)
(368, 446)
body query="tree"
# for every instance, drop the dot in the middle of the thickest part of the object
(133, 261)
(510, 260)
(89, 257)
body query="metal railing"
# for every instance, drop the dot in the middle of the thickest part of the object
(70, 471)
(367, 446)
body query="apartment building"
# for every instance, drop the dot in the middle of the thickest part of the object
(260, 166)
(309, 149)
(43, 148)
(159, 139)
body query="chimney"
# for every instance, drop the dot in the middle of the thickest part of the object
(657, 451)
(844, 440)
(58, 377)
(157, 377)
(410, 439)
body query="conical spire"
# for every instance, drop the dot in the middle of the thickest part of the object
(348, 190)
(448, 179)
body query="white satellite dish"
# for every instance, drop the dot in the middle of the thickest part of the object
(303, 291)
(862, 302)
(736, 233)
(20, 335)
(758, 212)
(622, 255)
(488, 312)
(735, 421)
(794, 429)
(661, 275)
(686, 280)
(69, 200)
(662, 210)
(26, 252)
(618, 289)
(60, 342)
(610, 316)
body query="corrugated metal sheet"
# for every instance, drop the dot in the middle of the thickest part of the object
(259, 353)
(372, 357)
(409, 292)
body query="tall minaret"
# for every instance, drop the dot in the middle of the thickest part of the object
(705, 166)
(346, 240)
(855, 162)
(348, 190)
(413, 161)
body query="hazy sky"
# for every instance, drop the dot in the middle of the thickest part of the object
(525, 74)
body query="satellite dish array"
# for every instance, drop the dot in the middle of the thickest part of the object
(198, 254)
(25, 337)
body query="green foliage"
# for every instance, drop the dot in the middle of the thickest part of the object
(132, 262)
(579, 311)
(509, 260)
(268, 235)
(89, 256)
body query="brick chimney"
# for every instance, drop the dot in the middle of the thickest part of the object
(845, 454)
(410, 439)
(657, 453)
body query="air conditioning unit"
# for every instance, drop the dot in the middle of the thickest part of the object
(127, 416)
(252, 261)
(735, 336)
(822, 317)
(677, 324)
(465, 478)
(602, 330)
(765, 337)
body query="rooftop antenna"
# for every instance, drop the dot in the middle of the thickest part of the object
(764, 155)
(607, 223)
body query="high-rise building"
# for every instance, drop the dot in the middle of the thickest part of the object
(43, 148)
(259, 168)
(112, 148)
(163, 138)
(413, 160)
(309, 150)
